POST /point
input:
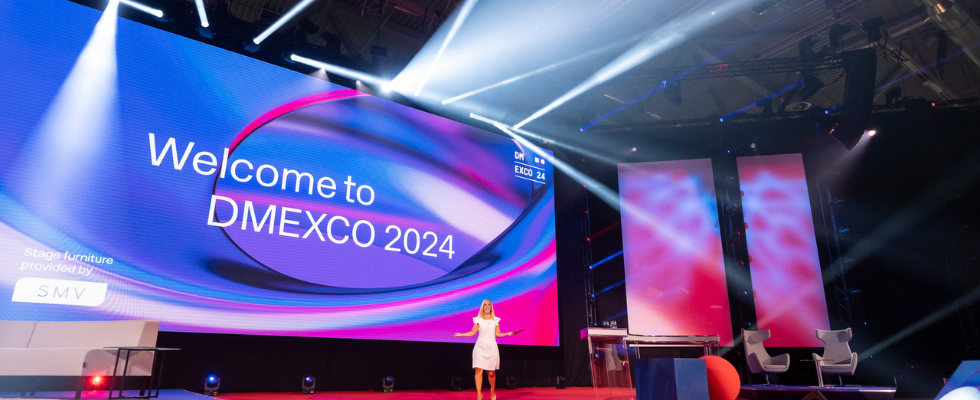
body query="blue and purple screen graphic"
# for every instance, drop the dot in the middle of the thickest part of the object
(785, 265)
(148, 176)
(675, 268)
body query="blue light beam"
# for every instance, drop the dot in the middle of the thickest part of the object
(750, 105)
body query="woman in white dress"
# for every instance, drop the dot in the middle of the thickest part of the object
(485, 353)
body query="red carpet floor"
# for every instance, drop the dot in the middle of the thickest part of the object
(522, 393)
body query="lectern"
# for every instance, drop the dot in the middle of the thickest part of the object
(609, 357)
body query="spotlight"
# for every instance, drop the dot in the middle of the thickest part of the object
(764, 6)
(96, 380)
(672, 92)
(806, 48)
(211, 385)
(634, 149)
(837, 33)
(456, 383)
(308, 384)
(873, 28)
(871, 132)
(205, 32)
(752, 146)
(811, 85)
(388, 384)
(511, 383)
(892, 95)
(561, 382)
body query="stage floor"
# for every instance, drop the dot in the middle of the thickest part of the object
(793, 392)
(502, 394)
(748, 392)
(166, 394)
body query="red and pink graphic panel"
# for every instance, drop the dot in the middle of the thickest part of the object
(785, 265)
(675, 270)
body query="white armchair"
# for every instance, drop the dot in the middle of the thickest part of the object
(757, 356)
(837, 359)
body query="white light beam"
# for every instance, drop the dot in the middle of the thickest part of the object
(602, 191)
(344, 72)
(587, 153)
(201, 13)
(510, 80)
(282, 20)
(654, 44)
(463, 13)
(152, 11)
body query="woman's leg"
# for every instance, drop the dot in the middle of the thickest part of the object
(479, 382)
(492, 377)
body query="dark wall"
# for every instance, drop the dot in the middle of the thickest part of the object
(274, 364)
(911, 202)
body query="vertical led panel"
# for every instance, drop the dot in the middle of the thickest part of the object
(785, 265)
(675, 271)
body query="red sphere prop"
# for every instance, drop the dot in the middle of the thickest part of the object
(723, 380)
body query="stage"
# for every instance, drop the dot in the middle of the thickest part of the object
(166, 394)
(794, 392)
(748, 392)
(577, 393)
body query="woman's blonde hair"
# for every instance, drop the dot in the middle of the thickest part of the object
(480, 313)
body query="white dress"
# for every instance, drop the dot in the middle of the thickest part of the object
(485, 353)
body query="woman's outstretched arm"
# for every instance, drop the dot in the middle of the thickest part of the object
(476, 328)
(499, 334)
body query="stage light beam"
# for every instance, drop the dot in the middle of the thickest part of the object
(532, 135)
(549, 67)
(149, 10)
(201, 13)
(937, 315)
(654, 44)
(72, 134)
(344, 72)
(464, 11)
(601, 191)
(282, 20)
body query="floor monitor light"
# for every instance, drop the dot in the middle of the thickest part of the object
(211, 385)
(388, 384)
(309, 383)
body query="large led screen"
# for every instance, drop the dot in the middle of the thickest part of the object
(148, 176)
(675, 268)
(785, 265)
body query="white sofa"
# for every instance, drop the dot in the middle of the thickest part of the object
(74, 348)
